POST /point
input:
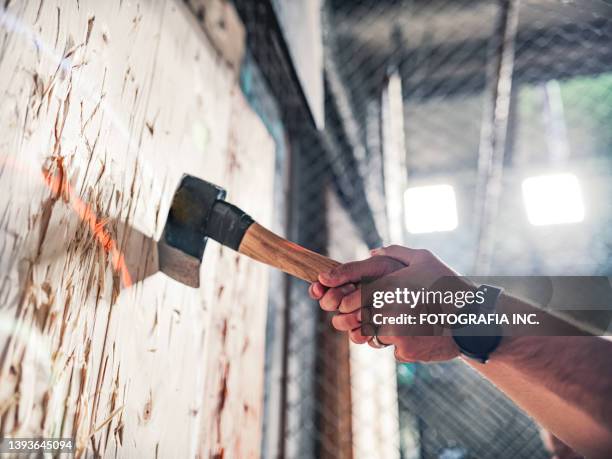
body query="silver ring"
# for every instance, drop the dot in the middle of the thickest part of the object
(376, 344)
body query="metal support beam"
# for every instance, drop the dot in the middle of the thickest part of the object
(496, 116)
(267, 45)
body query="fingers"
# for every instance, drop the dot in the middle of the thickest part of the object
(330, 301)
(357, 338)
(351, 302)
(346, 322)
(348, 272)
(403, 254)
(346, 298)
(350, 323)
(336, 289)
(385, 340)
(357, 270)
(316, 291)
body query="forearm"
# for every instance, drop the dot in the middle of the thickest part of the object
(563, 382)
(574, 401)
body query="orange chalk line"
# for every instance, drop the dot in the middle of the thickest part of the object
(60, 186)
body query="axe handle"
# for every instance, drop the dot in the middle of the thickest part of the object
(265, 246)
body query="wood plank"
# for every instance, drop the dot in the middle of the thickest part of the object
(105, 106)
(371, 384)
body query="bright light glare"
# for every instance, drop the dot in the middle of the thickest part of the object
(430, 208)
(553, 199)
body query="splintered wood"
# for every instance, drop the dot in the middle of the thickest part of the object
(104, 106)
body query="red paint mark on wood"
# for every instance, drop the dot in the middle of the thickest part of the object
(224, 331)
(222, 397)
(147, 412)
(90, 23)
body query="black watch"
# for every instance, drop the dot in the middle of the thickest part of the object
(479, 345)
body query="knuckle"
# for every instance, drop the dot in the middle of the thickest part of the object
(342, 270)
(336, 276)
(348, 303)
(391, 264)
(329, 302)
(338, 295)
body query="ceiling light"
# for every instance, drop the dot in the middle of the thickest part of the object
(430, 208)
(553, 199)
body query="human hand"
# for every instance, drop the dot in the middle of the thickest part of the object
(339, 290)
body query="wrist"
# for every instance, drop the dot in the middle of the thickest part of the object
(451, 344)
(510, 348)
(515, 350)
(504, 351)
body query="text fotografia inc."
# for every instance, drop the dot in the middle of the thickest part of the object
(455, 319)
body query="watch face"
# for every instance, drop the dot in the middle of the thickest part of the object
(479, 341)
(478, 347)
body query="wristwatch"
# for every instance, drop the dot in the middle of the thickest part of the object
(478, 341)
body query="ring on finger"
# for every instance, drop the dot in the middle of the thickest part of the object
(376, 343)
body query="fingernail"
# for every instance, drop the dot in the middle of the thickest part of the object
(346, 289)
(376, 251)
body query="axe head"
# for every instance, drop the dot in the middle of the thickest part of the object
(183, 240)
(198, 212)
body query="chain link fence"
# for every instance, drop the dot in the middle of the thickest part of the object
(485, 94)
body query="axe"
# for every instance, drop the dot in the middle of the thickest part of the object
(199, 211)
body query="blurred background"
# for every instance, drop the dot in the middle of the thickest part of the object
(478, 129)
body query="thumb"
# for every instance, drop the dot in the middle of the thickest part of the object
(404, 255)
(355, 271)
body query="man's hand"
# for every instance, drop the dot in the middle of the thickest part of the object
(339, 290)
(563, 382)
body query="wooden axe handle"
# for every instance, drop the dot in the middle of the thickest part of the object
(265, 246)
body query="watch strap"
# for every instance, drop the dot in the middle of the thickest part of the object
(476, 344)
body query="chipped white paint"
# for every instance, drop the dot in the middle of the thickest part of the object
(105, 106)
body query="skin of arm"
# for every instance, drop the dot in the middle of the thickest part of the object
(564, 382)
